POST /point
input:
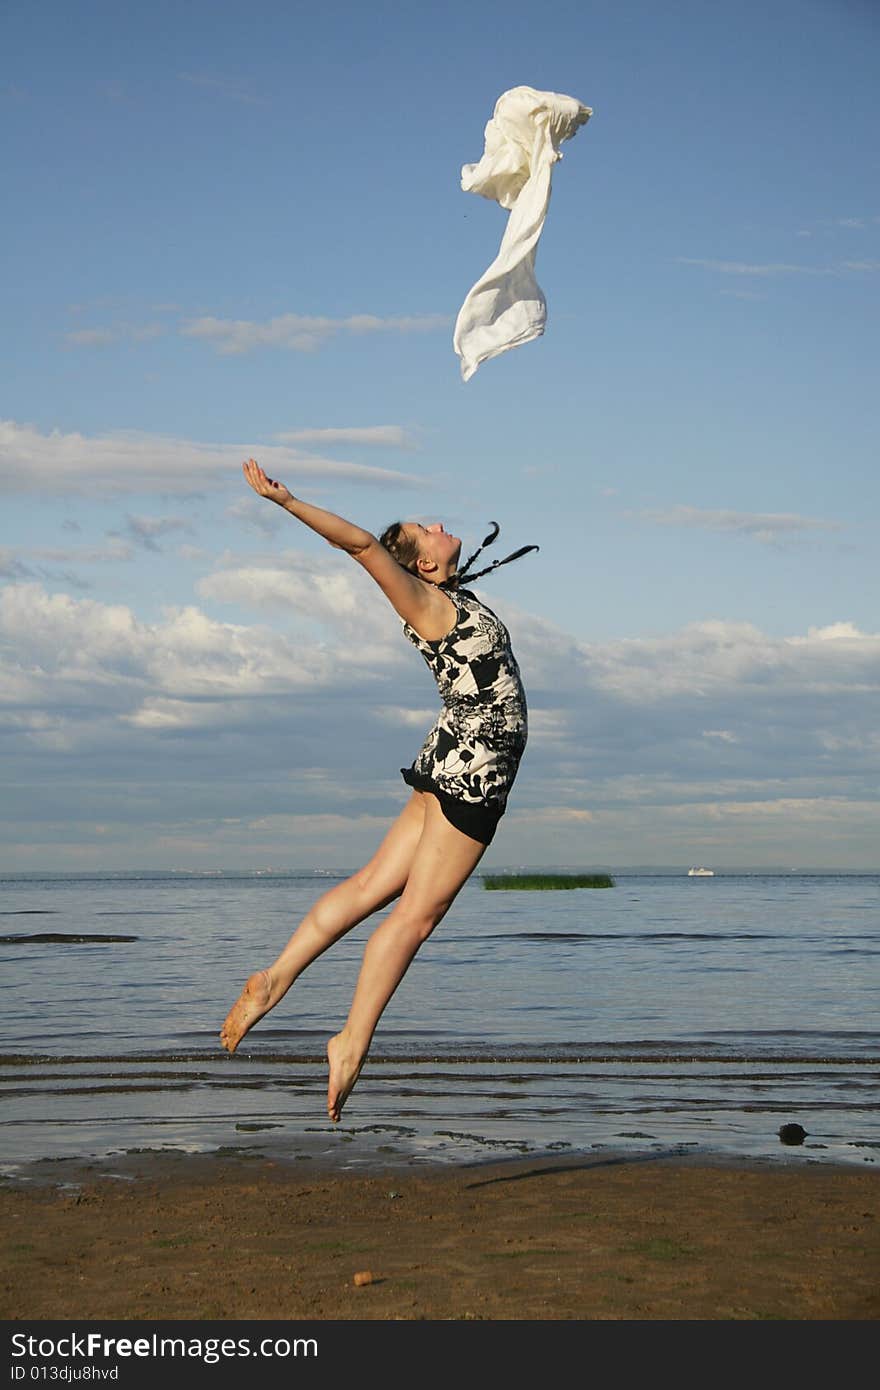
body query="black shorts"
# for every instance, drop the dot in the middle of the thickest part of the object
(476, 819)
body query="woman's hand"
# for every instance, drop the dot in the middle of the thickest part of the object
(275, 492)
(338, 532)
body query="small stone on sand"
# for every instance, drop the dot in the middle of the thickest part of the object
(363, 1276)
(792, 1134)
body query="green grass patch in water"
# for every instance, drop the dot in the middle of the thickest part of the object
(542, 882)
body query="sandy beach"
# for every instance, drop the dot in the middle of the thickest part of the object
(582, 1237)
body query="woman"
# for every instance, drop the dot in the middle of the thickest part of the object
(460, 779)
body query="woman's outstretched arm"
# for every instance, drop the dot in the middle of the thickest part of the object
(414, 600)
(335, 529)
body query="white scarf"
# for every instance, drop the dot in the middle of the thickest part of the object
(506, 306)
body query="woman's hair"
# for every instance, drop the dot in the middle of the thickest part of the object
(405, 550)
(403, 547)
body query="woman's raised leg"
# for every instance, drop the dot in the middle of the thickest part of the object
(443, 862)
(374, 886)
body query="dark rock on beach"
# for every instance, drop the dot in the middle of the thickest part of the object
(59, 938)
(792, 1134)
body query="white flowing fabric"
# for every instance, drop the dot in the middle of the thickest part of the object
(506, 306)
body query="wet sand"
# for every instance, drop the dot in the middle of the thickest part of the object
(644, 1237)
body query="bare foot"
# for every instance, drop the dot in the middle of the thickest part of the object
(345, 1068)
(248, 1009)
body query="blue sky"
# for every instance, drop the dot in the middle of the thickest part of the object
(238, 228)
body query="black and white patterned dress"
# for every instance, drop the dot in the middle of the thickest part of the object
(470, 758)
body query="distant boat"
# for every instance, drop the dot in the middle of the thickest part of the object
(701, 873)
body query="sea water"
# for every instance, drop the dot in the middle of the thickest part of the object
(662, 1014)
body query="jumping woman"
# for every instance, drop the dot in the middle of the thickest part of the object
(460, 780)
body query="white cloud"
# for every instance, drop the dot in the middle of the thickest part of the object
(113, 89)
(548, 725)
(146, 530)
(11, 567)
(384, 436)
(91, 337)
(114, 551)
(834, 632)
(768, 527)
(769, 269)
(629, 697)
(815, 808)
(748, 268)
(255, 515)
(328, 596)
(117, 333)
(397, 715)
(737, 661)
(222, 86)
(54, 636)
(866, 743)
(164, 714)
(55, 631)
(31, 461)
(552, 815)
(317, 589)
(289, 332)
(718, 735)
(42, 731)
(301, 332)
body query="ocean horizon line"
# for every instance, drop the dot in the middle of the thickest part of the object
(321, 871)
